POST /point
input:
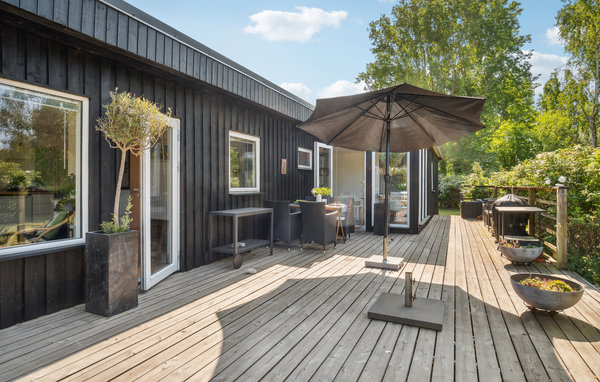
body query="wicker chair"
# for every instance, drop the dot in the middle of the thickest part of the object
(287, 226)
(317, 225)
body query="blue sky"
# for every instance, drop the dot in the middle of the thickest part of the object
(316, 49)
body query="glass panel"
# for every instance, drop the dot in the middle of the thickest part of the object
(398, 188)
(242, 162)
(324, 170)
(160, 204)
(39, 135)
(304, 158)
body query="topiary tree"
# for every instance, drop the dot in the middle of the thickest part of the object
(130, 124)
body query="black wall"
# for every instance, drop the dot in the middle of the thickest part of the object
(206, 115)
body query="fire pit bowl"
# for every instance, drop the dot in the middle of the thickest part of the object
(521, 254)
(545, 299)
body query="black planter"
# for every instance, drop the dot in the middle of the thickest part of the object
(111, 263)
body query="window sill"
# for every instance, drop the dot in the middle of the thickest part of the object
(245, 193)
(41, 251)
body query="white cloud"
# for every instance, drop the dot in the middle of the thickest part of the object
(543, 64)
(553, 36)
(293, 26)
(341, 88)
(297, 88)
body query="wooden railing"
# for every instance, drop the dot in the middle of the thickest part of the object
(554, 221)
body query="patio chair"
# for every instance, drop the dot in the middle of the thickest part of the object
(318, 226)
(56, 227)
(348, 214)
(287, 226)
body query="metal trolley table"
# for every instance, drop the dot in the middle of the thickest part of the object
(249, 244)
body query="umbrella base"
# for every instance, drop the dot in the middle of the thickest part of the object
(392, 264)
(425, 313)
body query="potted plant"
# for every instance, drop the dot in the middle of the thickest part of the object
(546, 292)
(320, 192)
(521, 251)
(130, 124)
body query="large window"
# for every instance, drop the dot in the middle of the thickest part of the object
(244, 163)
(41, 167)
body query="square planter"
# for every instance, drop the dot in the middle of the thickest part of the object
(111, 263)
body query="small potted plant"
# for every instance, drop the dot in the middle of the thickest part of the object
(546, 292)
(320, 192)
(520, 251)
(130, 124)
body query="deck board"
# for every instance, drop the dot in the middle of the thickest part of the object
(303, 316)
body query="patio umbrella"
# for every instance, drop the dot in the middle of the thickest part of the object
(399, 118)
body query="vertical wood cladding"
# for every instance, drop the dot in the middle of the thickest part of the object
(149, 39)
(41, 284)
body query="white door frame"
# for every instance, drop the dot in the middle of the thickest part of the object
(316, 162)
(374, 191)
(149, 279)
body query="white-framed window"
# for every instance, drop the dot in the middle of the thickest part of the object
(423, 186)
(244, 163)
(304, 159)
(323, 173)
(43, 168)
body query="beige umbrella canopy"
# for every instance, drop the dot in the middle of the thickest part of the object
(400, 118)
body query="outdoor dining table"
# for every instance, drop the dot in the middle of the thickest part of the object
(332, 207)
(518, 210)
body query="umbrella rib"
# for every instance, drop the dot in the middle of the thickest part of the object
(375, 104)
(418, 123)
(354, 120)
(405, 113)
(367, 113)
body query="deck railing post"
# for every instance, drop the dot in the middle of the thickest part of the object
(531, 195)
(562, 233)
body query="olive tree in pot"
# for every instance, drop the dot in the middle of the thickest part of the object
(130, 124)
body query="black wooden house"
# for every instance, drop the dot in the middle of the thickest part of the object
(234, 144)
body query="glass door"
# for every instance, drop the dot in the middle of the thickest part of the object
(399, 190)
(323, 165)
(160, 208)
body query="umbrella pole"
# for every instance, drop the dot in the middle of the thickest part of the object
(382, 262)
(387, 178)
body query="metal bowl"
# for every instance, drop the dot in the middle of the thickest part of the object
(545, 299)
(521, 255)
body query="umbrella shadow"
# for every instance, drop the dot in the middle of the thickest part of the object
(306, 325)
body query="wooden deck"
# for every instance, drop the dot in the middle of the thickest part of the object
(302, 316)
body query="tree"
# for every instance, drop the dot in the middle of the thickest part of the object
(461, 47)
(130, 124)
(559, 124)
(579, 24)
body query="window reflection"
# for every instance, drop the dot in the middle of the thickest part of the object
(38, 166)
(242, 162)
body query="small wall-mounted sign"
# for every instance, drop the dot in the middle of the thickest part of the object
(283, 166)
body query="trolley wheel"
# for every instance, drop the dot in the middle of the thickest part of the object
(237, 261)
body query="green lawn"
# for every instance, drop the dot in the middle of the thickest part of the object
(446, 211)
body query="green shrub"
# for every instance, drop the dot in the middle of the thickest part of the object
(578, 168)
(449, 190)
(476, 178)
(587, 267)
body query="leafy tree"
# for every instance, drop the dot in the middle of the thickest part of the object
(463, 47)
(513, 142)
(579, 24)
(130, 124)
